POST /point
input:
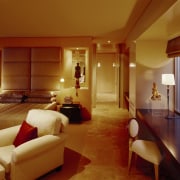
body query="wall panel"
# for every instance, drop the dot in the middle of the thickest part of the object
(30, 68)
(16, 69)
(45, 68)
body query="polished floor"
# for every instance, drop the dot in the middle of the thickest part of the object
(98, 149)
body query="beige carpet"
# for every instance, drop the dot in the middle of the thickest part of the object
(98, 149)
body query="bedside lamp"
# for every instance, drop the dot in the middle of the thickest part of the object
(61, 80)
(168, 80)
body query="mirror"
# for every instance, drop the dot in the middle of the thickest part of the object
(78, 62)
(76, 59)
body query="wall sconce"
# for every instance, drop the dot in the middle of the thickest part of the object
(132, 65)
(61, 80)
(168, 80)
(114, 64)
(98, 64)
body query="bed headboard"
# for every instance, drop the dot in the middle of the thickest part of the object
(31, 68)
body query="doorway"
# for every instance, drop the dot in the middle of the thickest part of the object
(107, 78)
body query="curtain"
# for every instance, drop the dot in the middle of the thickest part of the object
(173, 47)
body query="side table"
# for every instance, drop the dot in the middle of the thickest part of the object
(72, 111)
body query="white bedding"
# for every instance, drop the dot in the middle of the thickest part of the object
(12, 114)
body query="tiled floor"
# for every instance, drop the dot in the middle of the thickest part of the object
(98, 149)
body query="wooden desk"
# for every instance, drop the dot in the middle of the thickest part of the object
(167, 131)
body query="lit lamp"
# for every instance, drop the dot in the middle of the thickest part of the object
(168, 80)
(61, 80)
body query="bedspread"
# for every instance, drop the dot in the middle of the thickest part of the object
(14, 113)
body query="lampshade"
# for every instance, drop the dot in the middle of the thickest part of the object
(168, 79)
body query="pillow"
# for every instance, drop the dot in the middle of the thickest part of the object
(12, 94)
(26, 133)
(37, 100)
(10, 100)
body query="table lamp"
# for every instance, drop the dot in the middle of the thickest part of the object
(168, 80)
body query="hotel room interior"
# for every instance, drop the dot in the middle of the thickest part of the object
(124, 48)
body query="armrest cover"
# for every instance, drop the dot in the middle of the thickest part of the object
(8, 135)
(35, 147)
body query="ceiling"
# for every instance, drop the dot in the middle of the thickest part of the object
(115, 20)
(166, 27)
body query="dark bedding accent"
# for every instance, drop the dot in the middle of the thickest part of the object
(23, 96)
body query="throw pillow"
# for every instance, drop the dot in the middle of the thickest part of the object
(26, 133)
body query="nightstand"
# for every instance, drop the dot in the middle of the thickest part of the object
(72, 111)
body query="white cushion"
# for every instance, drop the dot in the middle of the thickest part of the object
(5, 158)
(64, 119)
(148, 150)
(46, 121)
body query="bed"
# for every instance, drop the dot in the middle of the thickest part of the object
(15, 105)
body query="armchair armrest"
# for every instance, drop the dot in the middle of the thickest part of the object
(35, 147)
(64, 122)
(8, 135)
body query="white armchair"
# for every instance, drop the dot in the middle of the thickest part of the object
(148, 150)
(40, 155)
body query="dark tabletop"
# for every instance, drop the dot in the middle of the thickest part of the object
(166, 130)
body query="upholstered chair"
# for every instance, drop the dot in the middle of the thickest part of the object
(148, 150)
(35, 147)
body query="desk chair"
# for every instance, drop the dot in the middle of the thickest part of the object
(146, 149)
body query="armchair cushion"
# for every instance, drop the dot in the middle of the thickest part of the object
(26, 133)
(45, 120)
(6, 155)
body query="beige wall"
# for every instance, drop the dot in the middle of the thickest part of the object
(68, 87)
(132, 80)
(106, 73)
(151, 62)
(84, 94)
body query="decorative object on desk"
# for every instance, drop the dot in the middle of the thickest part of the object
(77, 75)
(68, 100)
(168, 80)
(155, 93)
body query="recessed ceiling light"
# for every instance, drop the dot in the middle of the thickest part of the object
(132, 64)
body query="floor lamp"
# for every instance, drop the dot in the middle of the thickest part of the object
(168, 80)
